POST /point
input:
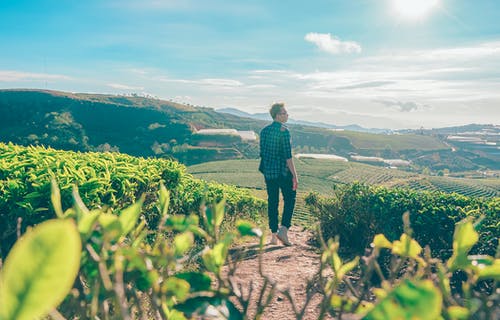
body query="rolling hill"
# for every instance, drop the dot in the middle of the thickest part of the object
(134, 125)
(148, 127)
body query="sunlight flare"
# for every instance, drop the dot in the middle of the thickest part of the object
(413, 9)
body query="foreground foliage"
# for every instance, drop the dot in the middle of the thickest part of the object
(121, 275)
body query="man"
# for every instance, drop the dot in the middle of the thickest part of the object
(279, 172)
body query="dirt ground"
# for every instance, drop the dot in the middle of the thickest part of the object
(290, 267)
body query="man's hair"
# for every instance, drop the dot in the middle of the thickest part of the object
(276, 108)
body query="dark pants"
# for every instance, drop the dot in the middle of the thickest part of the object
(273, 187)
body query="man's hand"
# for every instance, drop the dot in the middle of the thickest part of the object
(295, 183)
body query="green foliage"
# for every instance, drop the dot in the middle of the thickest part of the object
(111, 180)
(417, 286)
(356, 213)
(40, 270)
(121, 269)
(124, 276)
(409, 300)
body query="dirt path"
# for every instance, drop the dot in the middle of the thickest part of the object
(290, 267)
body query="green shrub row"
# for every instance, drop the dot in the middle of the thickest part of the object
(357, 212)
(104, 180)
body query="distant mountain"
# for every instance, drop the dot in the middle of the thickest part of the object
(468, 128)
(267, 117)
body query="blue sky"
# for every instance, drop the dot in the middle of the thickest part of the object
(376, 63)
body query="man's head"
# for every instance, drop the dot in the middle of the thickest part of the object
(278, 112)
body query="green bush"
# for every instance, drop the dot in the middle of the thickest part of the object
(104, 180)
(357, 212)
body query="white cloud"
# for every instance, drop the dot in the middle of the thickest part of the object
(407, 106)
(261, 86)
(217, 82)
(369, 84)
(333, 45)
(16, 76)
(396, 89)
(454, 59)
(221, 82)
(123, 86)
(139, 71)
(485, 50)
(466, 73)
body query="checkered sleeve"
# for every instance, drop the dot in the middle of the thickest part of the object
(262, 144)
(287, 145)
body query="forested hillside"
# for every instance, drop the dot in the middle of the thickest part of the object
(134, 125)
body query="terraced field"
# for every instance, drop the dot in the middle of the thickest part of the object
(363, 140)
(321, 175)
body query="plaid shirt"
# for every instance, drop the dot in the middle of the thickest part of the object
(275, 149)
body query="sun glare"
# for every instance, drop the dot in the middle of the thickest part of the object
(413, 9)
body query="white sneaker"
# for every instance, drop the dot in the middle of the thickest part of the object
(274, 239)
(283, 236)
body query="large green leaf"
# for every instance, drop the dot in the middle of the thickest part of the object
(181, 222)
(87, 222)
(246, 228)
(464, 238)
(198, 281)
(214, 216)
(209, 307)
(410, 300)
(380, 241)
(215, 258)
(406, 247)
(111, 225)
(40, 270)
(175, 287)
(212, 258)
(128, 216)
(55, 197)
(183, 242)
(489, 271)
(164, 199)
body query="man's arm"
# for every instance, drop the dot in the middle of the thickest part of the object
(291, 167)
(289, 159)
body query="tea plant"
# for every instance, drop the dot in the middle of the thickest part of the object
(107, 180)
(418, 285)
(115, 273)
(357, 212)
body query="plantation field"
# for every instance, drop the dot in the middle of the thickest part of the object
(321, 175)
(362, 140)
